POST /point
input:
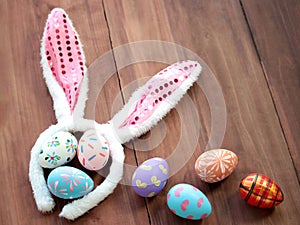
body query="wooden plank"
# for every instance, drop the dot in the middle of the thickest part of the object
(26, 110)
(218, 32)
(277, 41)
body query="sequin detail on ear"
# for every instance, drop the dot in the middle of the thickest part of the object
(158, 89)
(64, 55)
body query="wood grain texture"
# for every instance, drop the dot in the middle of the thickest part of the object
(27, 109)
(277, 41)
(218, 32)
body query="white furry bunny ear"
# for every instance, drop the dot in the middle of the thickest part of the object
(149, 104)
(64, 70)
(63, 65)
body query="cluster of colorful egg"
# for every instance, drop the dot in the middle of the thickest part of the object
(151, 176)
(187, 201)
(256, 189)
(68, 182)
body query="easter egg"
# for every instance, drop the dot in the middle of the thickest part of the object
(68, 182)
(93, 150)
(188, 202)
(260, 191)
(58, 150)
(215, 165)
(150, 177)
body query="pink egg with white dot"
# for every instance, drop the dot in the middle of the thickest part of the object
(93, 150)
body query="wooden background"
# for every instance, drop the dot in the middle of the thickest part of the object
(252, 47)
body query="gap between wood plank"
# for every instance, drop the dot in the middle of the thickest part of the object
(113, 53)
(122, 94)
(269, 88)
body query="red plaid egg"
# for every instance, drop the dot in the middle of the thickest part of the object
(260, 191)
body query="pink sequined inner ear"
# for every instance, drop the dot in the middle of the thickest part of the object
(64, 55)
(159, 89)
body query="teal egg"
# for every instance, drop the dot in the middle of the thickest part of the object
(188, 202)
(68, 182)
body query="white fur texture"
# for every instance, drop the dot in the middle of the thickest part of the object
(128, 133)
(76, 122)
(44, 201)
(81, 206)
(60, 103)
(68, 122)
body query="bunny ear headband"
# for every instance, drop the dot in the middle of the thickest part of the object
(65, 73)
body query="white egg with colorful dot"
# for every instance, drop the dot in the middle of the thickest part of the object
(93, 150)
(58, 150)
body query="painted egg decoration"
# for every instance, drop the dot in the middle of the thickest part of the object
(58, 150)
(93, 150)
(188, 202)
(69, 183)
(215, 165)
(150, 177)
(260, 191)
